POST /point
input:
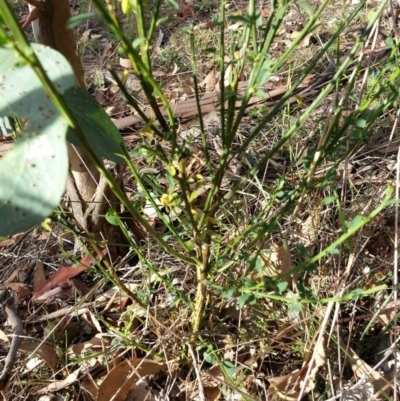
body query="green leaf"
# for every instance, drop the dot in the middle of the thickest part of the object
(328, 200)
(243, 299)
(356, 293)
(99, 130)
(282, 286)
(173, 4)
(33, 174)
(209, 358)
(138, 41)
(361, 123)
(356, 222)
(228, 293)
(78, 19)
(112, 217)
(230, 368)
(305, 7)
(263, 73)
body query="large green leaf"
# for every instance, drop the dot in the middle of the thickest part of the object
(33, 174)
(99, 130)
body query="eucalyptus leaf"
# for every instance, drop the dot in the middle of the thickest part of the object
(33, 174)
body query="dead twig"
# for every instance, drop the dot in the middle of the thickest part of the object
(8, 302)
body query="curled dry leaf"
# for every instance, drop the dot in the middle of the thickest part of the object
(97, 344)
(120, 380)
(20, 289)
(43, 350)
(275, 261)
(265, 13)
(310, 228)
(212, 393)
(39, 277)
(204, 25)
(58, 385)
(185, 12)
(289, 386)
(7, 242)
(305, 42)
(210, 81)
(65, 273)
(362, 370)
(125, 63)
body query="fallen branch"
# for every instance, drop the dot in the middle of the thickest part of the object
(8, 302)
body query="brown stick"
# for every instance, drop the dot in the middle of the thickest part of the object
(8, 302)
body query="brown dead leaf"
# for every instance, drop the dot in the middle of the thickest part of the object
(305, 42)
(39, 277)
(119, 381)
(86, 35)
(204, 25)
(97, 344)
(391, 309)
(21, 289)
(276, 260)
(212, 393)
(108, 49)
(212, 377)
(89, 385)
(265, 13)
(64, 332)
(65, 273)
(361, 369)
(159, 73)
(209, 81)
(125, 63)
(289, 386)
(175, 70)
(7, 242)
(310, 228)
(58, 385)
(43, 350)
(185, 12)
(101, 97)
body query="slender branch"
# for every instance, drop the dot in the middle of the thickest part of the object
(8, 302)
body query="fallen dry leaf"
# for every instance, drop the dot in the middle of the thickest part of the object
(86, 35)
(310, 228)
(362, 370)
(210, 81)
(212, 393)
(43, 350)
(65, 273)
(21, 289)
(185, 12)
(7, 242)
(204, 25)
(125, 63)
(39, 277)
(265, 12)
(119, 381)
(289, 386)
(305, 42)
(276, 260)
(101, 97)
(98, 343)
(72, 378)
